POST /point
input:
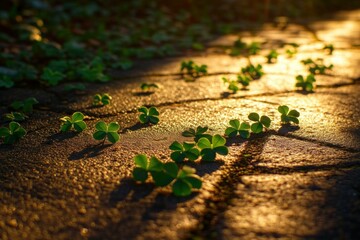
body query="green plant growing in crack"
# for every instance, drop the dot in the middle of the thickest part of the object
(182, 180)
(306, 84)
(13, 133)
(148, 115)
(209, 148)
(184, 151)
(233, 85)
(148, 86)
(102, 99)
(329, 48)
(193, 70)
(255, 72)
(237, 48)
(254, 48)
(287, 115)
(272, 56)
(260, 122)
(237, 128)
(292, 49)
(199, 132)
(76, 121)
(107, 131)
(316, 67)
(243, 80)
(26, 106)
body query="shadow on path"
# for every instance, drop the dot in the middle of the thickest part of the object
(89, 152)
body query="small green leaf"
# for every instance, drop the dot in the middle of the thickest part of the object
(181, 188)
(140, 174)
(101, 126)
(113, 137)
(294, 113)
(176, 146)
(218, 141)
(254, 117)
(155, 165)
(161, 179)
(113, 127)
(222, 150)
(208, 154)
(266, 121)
(99, 135)
(235, 124)
(153, 111)
(171, 169)
(256, 127)
(141, 161)
(194, 180)
(283, 109)
(204, 143)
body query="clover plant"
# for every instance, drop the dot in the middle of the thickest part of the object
(25, 106)
(148, 86)
(209, 148)
(260, 122)
(76, 121)
(316, 67)
(102, 99)
(184, 151)
(255, 72)
(237, 47)
(254, 48)
(291, 52)
(148, 115)
(6, 82)
(15, 116)
(330, 48)
(232, 84)
(243, 129)
(243, 80)
(13, 133)
(107, 131)
(305, 84)
(288, 115)
(163, 174)
(193, 69)
(144, 166)
(197, 133)
(52, 77)
(272, 56)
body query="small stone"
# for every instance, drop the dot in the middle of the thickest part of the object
(13, 223)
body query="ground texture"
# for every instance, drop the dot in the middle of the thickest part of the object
(288, 183)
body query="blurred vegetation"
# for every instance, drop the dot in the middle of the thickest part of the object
(49, 42)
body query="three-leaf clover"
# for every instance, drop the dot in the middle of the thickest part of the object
(102, 99)
(76, 121)
(330, 48)
(243, 129)
(243, 80)
(25, 106)
(197, 133)
(144, 166)
(255, 72)
(185, 179)
(288, 116)
(305, 84)
(193, 69)
(52, 77)
(260, 122)
(107, 131)
(233, 84)
(148, 86)
(209, 148)
(13, 133)
(272, 56)
(148, 115)
(182, 151)
(254, 48)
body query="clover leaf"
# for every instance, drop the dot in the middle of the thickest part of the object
(52, 77)
(305, 84)
(6, 82)
(148, 86)
(163, 174)
(233, 84)
(148, 115)
(316, 67)
(13, 133)
(182, 151)
(235, 128)
(102, 99)
(15, 116)
(144, 166)
(192, 69)
(330, 48)
(272, 56)
(255, 72)
(107, 131)
(254, 48)
(243, 80)
(209, 148)
(197, 133)
(260, 122)
(25, 106)
(288, 115)
(76, 121)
